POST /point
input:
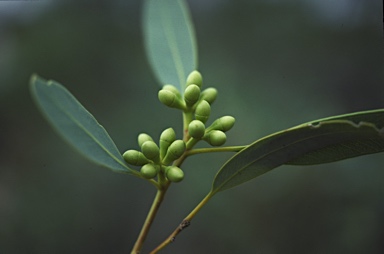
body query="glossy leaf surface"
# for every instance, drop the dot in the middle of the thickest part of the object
(76, 124)
(321, 141)
(326, 154)
(170, 41)
(371, 116)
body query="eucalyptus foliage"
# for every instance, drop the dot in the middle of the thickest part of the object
(171, 48)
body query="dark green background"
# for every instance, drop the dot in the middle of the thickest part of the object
(275, 63)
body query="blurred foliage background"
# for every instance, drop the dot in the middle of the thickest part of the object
(275, 63)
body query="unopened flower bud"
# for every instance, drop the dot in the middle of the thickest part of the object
(174, 174)
(203, 110)
(173, 89)
(151, 151)
(175, 150)
(143, 137)
(170, 99)
(191, 94)
(196, 129)
(166, 139)
(195, 78)
(148, 171)
(224, 124)
(209, 94)
(134, 157)
(215, 138)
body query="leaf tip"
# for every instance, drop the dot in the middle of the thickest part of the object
(33, 78)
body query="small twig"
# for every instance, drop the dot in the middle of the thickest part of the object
(148, 221)
(184, 224)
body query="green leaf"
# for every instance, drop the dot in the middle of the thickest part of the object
(76, 124)
(370, 116)
(325, 140)
(327, 154)
(170, 41)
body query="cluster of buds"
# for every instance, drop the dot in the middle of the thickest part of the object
(154, 159)
(195, 103)
(192, 97)
(215, 133)
(199, 103)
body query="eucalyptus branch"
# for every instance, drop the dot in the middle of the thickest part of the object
(184, 224)
(150, 218)
(173, 54)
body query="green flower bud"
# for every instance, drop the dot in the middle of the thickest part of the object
(209, 95)
(191, 94)
(143, 137)
(172, 89)
(196, 129)
(174, 174)
(195, 78)
(224, 124)
(202, 111)
(170, 99)
(215, 138)
(149, 171)
(134, 157)
(151, 151)
(166, 139)
(175, 150)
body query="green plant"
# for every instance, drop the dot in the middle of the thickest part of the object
(172, 52)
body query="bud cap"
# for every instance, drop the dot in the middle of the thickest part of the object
(191, 94)
(203, 110)
(151, 150)
(224, 123)
(216, 138)
(170, 99)
(195, 78)
(175, 150)
(143, 137)
(196, 129)
(172, 89)
(148, 171)
(209, 94)
(134, 157)
(174, 174)
(166, 139)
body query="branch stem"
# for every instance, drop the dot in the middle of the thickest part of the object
(148, 221)
(184, 224)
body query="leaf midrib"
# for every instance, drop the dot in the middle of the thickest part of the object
(173, 46)
(268, 154)
(83, 128)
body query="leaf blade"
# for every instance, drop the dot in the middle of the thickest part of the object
(76, 125)
(375, 116)
(170, 41)
(321, 156)
(288, 145)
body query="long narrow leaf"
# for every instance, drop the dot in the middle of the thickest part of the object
(370, 116)
(76, 124)
(321, 141)
(170, 41)
(329, 154)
